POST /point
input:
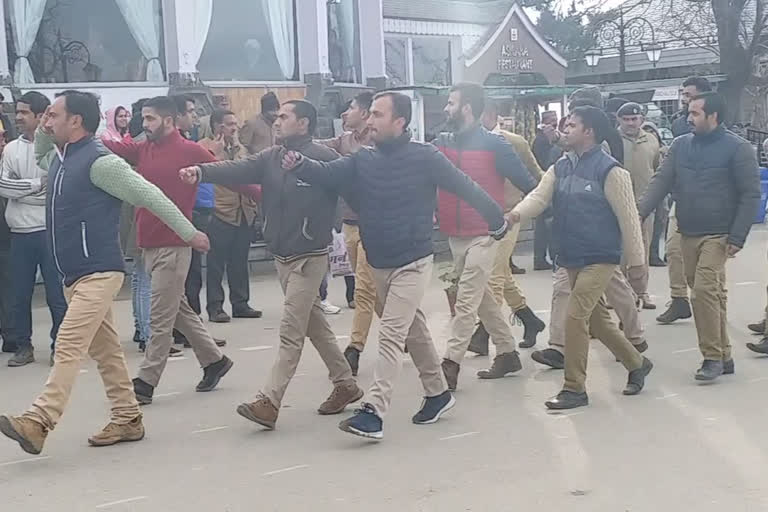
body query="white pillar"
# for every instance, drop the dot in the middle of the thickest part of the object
(170, 37)
(371, 23)
(5, 70)
(312, 17)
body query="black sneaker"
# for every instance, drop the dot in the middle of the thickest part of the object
(761, 347)
(757, 327)
(143, 391)
(352, 355)
(549, 357)
(567, 400)
(23, 356)
(728, 367)
(433, 407)
(679, 309)
(365, 423)
(636, 379)
(710, 370)
(213, 373)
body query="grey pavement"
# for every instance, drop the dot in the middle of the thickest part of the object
(678, 446)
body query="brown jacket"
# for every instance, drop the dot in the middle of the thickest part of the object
(229, 206)
(513, 195)
(346, 144)
(641, 158)
(256, 134)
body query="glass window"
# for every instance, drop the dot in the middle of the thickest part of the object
(396, 58)
(250, 40)
(90, 41)
(343, 41)
(431, 61)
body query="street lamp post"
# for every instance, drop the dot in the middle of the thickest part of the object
(622, 32)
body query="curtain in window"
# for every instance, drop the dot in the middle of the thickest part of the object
(192, 35)
(26, 16)
(144, 23)
(280, 21)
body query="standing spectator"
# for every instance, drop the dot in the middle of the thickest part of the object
(256, 134)
(118, 119)
(220, 102)
(22, 181)
(544, 150)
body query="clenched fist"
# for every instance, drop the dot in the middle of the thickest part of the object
(200, 242)
(291, 159)
(190, 175)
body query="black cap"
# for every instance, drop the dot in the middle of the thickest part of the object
(630, 109)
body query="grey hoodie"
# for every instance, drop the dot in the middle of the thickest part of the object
(22, 182)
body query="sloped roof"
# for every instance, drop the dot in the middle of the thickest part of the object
(466, 11)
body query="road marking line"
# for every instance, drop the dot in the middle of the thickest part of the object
(120, 502)
(342, 337)
(172, 393)
(541, 311)
(285, 470)
(666, 396)
(22, 461)
(759, 379)
(746, 283)
(212, 429)
(258, 347)
(685, 350)
(457, 436)
(299, 374)
(568, 415)
(83, 371)
(176, 358)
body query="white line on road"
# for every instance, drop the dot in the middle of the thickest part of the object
(172, 393)
(179, 358)
(746, 283)
(120, 502)
(457, 436)
(83, 371)
(212, 429)
(342, 337)
(285, 470)
(22, 461)
(258, 347)
(685, 350)
(670, 395)
(759, 379)
(568, 415)
(541, 311)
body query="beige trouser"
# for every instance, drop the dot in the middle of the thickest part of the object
(473, 259)
(704, 258)
(365, 288)
(502, 281)
(302, 318)
(677, 285)
(618, 293)
(587, 309)
(168, 267)
(399, 294)
(88, 328)
(640, 282)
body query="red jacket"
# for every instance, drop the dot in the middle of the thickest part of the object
(159, 162)
(487, 159)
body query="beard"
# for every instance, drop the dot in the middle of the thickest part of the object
(454, 122)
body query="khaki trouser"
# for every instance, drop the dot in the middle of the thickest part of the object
(502, 281)
(704, 258)
(587, 309)
(399, 293)
(365, 288)
(677, 286)
(473, 259)
(302, 318)
(167, 268)
(618, 293)
(640, 282)
(88, 328)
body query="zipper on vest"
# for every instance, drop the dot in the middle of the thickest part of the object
(84, 239)
(56, 192)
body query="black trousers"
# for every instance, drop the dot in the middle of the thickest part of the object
(201, 217)
(6, 290)
(229, 254)
(542, 232)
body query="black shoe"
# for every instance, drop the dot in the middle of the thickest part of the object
(728, 367)
(761, 347)
(710, 370)
(542, 265)
(515, 269)
(213, 373)
(142, 346)
(352, 356)
(433, 407)
(567, 400)
(503, 365)
(757, 328)
(451, 371)
(479, 342)
(246, 312)
(219, 317)
(549, 357)
(532, 324)
(679, 309)
(143, 391)
(657, 262)
(137, 336)
(365, 423)
(22, 357)
(636, 379)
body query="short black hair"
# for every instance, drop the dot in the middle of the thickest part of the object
(218, 115)
(181, 101)
(364, 100)
(164, 105)
(699, 82)
(305, 110)
(472, 95)
(37, 101)
(85, 105)
(401, 105)
(269, 102)
(595, 119)
(713, 104)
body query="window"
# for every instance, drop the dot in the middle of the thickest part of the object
(250, 40)
(396, 58)
(343, 41)
(85, 41)
(431, 61)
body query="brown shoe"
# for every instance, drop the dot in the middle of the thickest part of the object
(262, 411)
(451, 372)
(28, 433)
(342, 395)
(115, 433)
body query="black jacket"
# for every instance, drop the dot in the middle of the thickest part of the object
(298, 216)
(680, 124)
(715, 182)
(394, 189)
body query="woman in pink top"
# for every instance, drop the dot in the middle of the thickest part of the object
(117, 124)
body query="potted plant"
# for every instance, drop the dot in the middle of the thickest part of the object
(451, 279)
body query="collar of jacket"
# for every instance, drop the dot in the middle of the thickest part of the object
(575, 158)
(711, 136)
(394, 143)
(172, 138)
(641, 137)
(467, 131)
(73, 146)
(296, 142)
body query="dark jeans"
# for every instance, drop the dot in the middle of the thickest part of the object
(28, 252)
(194, 283)
(6, 290)
(542, 232)
(229, 253)
(349, 281)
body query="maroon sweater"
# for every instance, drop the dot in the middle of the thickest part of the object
(159, 162)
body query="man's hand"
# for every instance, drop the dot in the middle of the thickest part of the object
(291, 159)
(190, 175)
(733, 250)
(200, 242)
(513, 217)
(501, 232)
(44, 121)
(219, 144)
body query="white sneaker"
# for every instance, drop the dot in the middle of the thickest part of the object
(329, 309)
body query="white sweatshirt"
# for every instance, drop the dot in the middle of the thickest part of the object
(23, 183)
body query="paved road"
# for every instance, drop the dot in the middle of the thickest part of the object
(678, 446)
